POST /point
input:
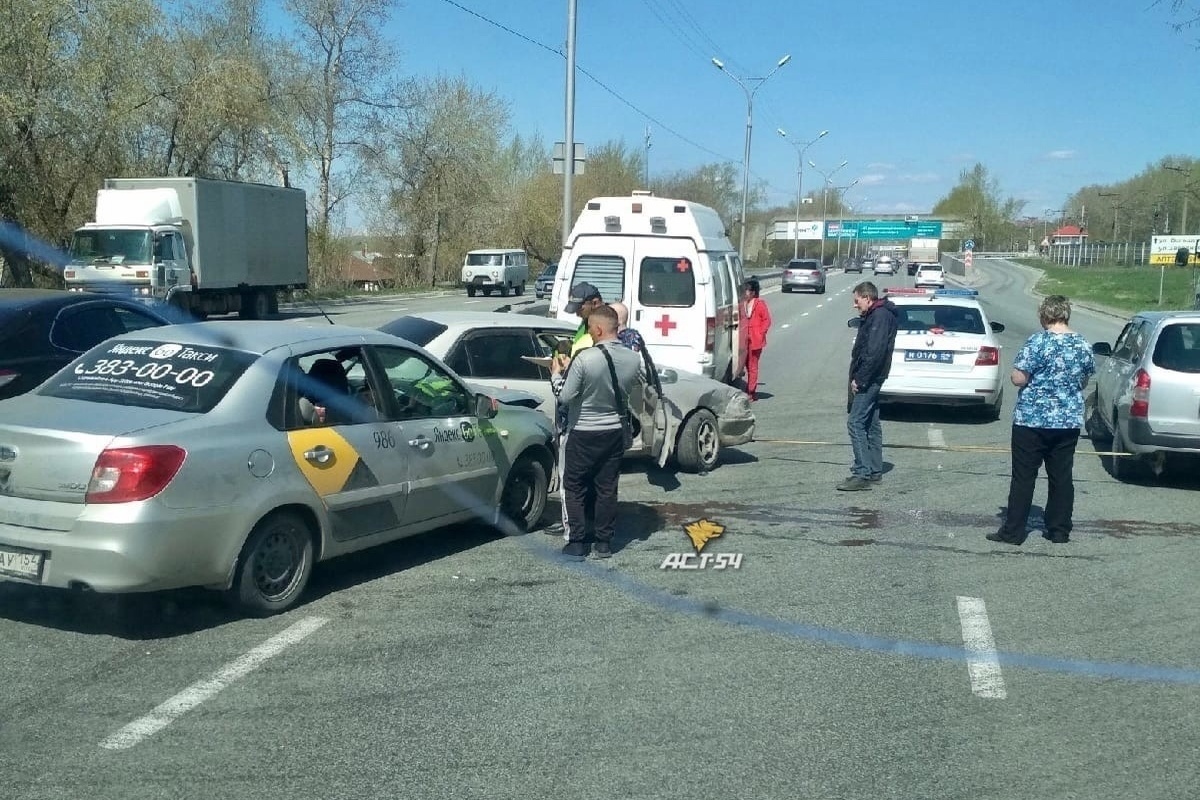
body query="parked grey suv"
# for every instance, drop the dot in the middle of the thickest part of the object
(804, 273)
(1147, 396)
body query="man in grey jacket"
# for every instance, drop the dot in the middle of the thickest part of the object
(595, 440)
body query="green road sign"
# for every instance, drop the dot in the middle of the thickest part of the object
(883, 229)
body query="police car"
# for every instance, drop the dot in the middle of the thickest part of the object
(946, 351)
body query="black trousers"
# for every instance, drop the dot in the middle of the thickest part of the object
(591, 468)
(1032, 447)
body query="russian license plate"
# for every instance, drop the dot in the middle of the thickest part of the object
(935, 356)
(21, 563)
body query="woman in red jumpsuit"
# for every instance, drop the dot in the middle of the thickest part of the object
(757, 320)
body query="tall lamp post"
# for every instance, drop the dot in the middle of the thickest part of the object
(852, 248)
(1046, 227)
(750, 92)
(800, 150)
(828, 176)
(842, 215)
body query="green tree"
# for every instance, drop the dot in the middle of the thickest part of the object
(991, 219)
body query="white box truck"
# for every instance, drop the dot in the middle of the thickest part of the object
(204, 246)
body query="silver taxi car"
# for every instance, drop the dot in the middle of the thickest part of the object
(236, 455)
(678, 416)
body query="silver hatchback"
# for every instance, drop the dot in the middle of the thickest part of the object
(804, 273)
(1147, 396)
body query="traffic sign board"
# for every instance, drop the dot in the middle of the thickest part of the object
(969, 244)
(883, 229)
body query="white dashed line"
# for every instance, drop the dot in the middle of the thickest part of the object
(786, 325)
(805, 314)
(983, 664)
(468, 302)
(197, 693)
(936, 438)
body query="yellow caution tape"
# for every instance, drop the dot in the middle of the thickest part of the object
(945, 448)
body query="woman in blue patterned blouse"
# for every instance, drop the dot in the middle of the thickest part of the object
(1050, 372)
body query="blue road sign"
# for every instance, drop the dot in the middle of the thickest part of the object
(894, 230)
(969, 244)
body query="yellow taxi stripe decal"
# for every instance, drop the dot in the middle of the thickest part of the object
(331, 476)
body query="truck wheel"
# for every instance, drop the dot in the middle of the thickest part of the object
(699, 445)
(470, 291)
(521, 288)
(261, 305)
(504, 290)
(272, 303)
(274, 566)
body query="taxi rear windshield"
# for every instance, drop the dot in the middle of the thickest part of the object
(1178, 347)
(151, 374)
(952, 319)
(667, 283)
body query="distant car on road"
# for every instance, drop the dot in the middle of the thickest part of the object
(803, 273)
(854, 265)
(930, 276)
(1148, 391)
(884, 266)
(544, 285)
(695, 417)
(43, 330)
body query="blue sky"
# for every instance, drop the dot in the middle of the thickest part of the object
(1049, 96)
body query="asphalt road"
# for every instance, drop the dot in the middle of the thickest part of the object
(871, 645)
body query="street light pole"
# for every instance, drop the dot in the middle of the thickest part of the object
(799, 182)
(841, 215)
(749, 127)
(569, 145)
(825, 204)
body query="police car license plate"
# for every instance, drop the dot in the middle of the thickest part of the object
(21, 563)
(935, 356)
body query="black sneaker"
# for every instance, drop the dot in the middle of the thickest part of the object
(554, 529)
(854, 484)
(602, 550)
(575, 550)
(876, 477)
(1057, 538)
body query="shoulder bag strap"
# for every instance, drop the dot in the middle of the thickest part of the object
(622, 409)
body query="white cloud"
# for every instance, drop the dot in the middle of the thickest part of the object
(920, 177)
(1060, 155)
(871, 179)
(881, 165)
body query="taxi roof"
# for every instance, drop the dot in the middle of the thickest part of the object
(254, 336)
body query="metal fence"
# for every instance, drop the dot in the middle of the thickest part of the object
(1128, 253)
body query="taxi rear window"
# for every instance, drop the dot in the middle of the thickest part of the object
(151, 374)
(418, 330)
(952, 319)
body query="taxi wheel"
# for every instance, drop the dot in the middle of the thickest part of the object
(699, 444)
(524, 499)
(275, 565)
(1125, 468)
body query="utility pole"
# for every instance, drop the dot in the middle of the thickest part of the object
(800, 150)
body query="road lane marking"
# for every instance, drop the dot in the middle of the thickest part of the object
(805, 314)
(983, 663)
(468, 302)
(937, 439)
(197, 693)
(786, 325)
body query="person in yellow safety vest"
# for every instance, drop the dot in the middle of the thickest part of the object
(584, 297)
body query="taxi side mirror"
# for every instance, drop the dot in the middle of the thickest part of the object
(485, 407)
(1102, 349)
(668, 375)
(854, 323)
(997, 327)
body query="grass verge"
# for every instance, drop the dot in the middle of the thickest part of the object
(1123, 288)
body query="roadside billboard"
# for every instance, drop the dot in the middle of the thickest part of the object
(1163, 249)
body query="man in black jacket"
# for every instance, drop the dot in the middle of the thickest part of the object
(870, 362)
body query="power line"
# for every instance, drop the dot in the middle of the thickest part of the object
(583, 71)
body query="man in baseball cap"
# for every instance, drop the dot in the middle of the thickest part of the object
(584, 297)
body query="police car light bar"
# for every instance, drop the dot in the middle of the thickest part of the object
(908, 292)
(956, 292)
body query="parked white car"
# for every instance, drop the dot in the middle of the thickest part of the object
(693, 421)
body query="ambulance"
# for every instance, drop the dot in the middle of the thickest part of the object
(672, 264)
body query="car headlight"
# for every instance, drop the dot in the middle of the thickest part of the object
(739, 406)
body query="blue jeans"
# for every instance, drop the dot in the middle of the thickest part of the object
(866, 434)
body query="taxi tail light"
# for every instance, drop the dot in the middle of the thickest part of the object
(7, 376)
(130, 474)
(1140, 406)
(988, 357)
(710, 334)
(816, 274)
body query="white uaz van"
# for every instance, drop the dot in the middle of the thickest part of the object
(671, 263)
(505, 270)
